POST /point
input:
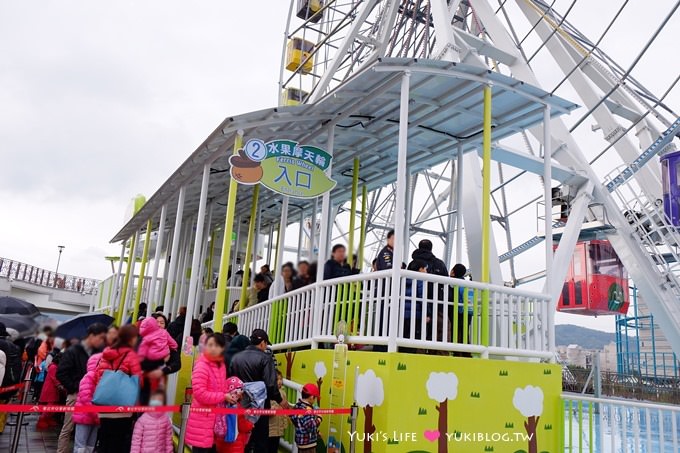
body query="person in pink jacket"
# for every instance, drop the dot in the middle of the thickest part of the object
(209, 384)
(153, 430)
(87, 423)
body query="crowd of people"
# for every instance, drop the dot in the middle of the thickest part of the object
(231, 370)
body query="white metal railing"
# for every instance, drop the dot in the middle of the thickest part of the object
(15, 270)
(432, 312)
(612, 425)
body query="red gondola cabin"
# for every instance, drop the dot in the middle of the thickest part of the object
(597, 283)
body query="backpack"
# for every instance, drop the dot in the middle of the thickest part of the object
(13, 366)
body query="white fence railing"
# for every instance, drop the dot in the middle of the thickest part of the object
(430, 312)
(15, 270)
(611, 425)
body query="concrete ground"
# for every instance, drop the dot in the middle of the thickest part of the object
(31, 440)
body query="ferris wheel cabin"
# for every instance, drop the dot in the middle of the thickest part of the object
(596, 283)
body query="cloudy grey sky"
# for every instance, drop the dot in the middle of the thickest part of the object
(100, 101)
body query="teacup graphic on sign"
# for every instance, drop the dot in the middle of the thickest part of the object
(245, 170)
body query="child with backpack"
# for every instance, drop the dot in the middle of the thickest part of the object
(307, 425)
(153, 430)
(237, 428)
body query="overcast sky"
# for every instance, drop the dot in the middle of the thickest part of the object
(100, 101)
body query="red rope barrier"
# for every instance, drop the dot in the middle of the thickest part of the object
(135, 409)
(11, 388)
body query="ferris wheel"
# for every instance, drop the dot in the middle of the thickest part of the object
(633, 128)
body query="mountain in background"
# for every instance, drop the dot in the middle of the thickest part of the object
(566, 334)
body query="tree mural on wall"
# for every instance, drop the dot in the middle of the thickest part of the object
(290, 358)
(370, 393)
(529, 401)
(320, 372)
(442, 387)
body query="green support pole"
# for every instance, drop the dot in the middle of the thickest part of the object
(126, 282)
(209, 264)
(221, 298)
(249, 247)
(142, 271)
(360, 253)
(353, 211)
(486, 213)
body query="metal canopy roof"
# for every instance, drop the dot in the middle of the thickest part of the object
(445, 113)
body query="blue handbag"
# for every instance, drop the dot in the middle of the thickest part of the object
(116, 388)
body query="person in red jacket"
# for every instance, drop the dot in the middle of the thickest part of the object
(51, 394)
(115, 430)
(209, 385)
(153, 430)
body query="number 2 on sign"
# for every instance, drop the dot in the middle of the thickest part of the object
(255, 150)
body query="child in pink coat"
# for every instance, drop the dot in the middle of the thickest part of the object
(154, 349)
(50, 394)
(87, 423)
(156, 342)
(153, 430)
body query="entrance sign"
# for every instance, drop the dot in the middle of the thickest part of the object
(283, 166)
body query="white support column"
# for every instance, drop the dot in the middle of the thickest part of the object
(399, 212)
(172, 267)
(301, 235)
(312, 230)
(323, 243)
(280, 246)
(118, 282)
(160, 237)
(547, 195)
(450, 218)
(132, 261)
(180, 295)
(408, 205)
(205, 241)
(459, 205)
(196, 260)
(270, 243)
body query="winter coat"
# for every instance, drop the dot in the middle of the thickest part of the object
(306, 426)
(434, 265)
(333, 269)
(245, 427)
(44, 349)
(3, 363)
(156, 342)
(86, 392)
(72, 368)
(254, 365)
(152, 434)
(123, 359)
(50, 390)
(278, 423)
(209, 384)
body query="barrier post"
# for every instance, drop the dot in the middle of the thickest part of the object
(353, 427)
(186, 405)
(20, 415)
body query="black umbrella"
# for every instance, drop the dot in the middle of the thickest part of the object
(25, 325)
(12, 305)
(77, 327)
